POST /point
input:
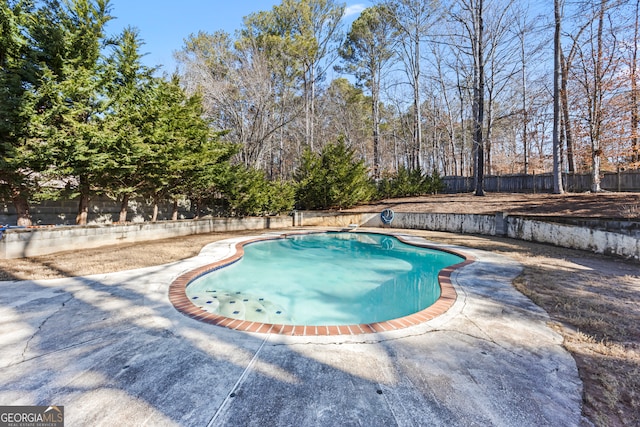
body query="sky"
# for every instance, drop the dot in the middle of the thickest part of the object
(164, 24)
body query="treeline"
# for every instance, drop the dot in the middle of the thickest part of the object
(80, 115)
(450, 87)
(462, 87)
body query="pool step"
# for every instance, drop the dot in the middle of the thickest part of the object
(241, 306)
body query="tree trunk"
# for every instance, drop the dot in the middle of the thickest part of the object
(595, 171)
(635, 145)
(488, 169)
(525, 112)
(596, 122)
(487, 137)
(417, 116)
(83, 205)
(478, 99)
(154, 216)
(174, 213)
(308, 86)
(197, 201)
(21, 205)
(450, 134)
(568, 133)
(375, 110)
(463, 131)
(557, 76)
(312, 108)
(124, 205)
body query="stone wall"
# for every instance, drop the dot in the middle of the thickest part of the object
(575, 237)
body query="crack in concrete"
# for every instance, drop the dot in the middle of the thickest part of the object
(392, 339)
(26, 347)
(483, 336)
(170, 334)
(58, 350)
(25, 359)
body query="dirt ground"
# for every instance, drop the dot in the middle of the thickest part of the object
(589, 205)
(593, 300)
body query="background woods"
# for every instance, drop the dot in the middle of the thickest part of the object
(460, 87)
(396, 97)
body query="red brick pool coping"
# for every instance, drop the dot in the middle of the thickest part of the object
(182, 303)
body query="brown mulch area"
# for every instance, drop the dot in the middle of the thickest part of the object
(593, 300)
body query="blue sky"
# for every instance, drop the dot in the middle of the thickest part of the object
(164, 24)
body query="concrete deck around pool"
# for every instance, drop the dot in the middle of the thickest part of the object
(114, 351)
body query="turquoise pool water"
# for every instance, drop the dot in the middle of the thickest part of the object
(324, 279)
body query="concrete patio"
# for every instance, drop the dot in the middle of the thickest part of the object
(112, 350)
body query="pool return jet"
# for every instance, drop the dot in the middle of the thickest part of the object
(387, 216)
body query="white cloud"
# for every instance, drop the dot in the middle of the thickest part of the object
(354, 9)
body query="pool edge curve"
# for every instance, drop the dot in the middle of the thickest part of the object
(180, 301)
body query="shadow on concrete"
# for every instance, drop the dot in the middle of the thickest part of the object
(91, 344)
(111, 347)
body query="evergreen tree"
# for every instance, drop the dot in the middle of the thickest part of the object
(248, 192)
(127, 120)
(19, 159)
(185, 156)
(332, 179)
(70, 101)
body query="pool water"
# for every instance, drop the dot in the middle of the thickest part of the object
(324, 279)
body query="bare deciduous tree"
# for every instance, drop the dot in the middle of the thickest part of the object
(557, 76)
(413, 20)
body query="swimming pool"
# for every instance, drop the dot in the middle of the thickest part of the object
(321, 279)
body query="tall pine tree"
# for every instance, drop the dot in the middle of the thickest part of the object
(366, 50)
(127, 120)
(71, 97)
(19, 158)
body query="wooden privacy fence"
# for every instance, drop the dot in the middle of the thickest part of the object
(521, 183)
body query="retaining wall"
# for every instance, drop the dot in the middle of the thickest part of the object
(17, 243)
(575, 237)
(20, 243)
(564, 235)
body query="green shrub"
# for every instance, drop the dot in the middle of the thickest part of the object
(250, 193)
(332, 179)
(408, 183)
(281, 197)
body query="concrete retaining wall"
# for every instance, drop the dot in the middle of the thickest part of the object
(454, 223)
(332, 219)
(563, 235)
(19, 243)
(575, 237)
